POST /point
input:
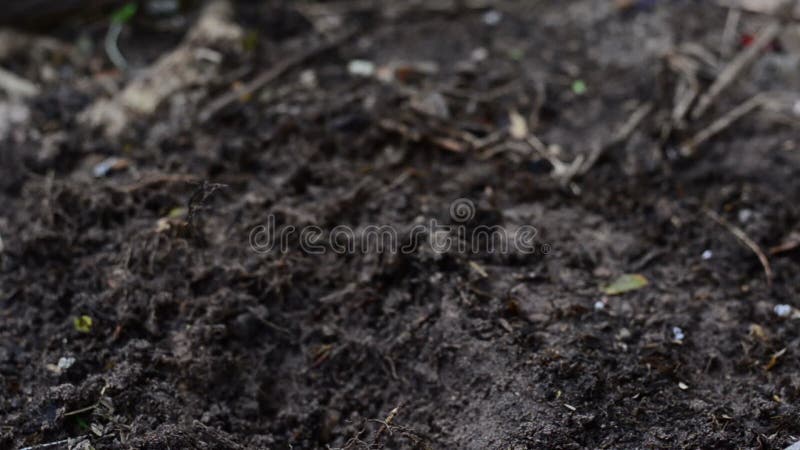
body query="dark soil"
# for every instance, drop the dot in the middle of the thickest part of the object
(197, 341)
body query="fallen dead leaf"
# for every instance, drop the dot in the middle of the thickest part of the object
(626, 283)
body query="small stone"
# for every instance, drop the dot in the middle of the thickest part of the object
(708, 254)
(308, 78)
(492, 17)
(361, 68)
(782, 310)
(677, 334)
(479, 54)
(65, 362)
(744, 215)
(683, 386)
(599, 305)
(624, 334)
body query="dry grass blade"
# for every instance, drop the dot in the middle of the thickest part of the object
(736, 66)
(270, 75)
(622, 134)
(746, 240)
(690, 146)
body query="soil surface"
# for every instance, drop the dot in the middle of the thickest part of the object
(134, 312)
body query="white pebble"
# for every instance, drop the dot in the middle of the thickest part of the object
(745, 215)
(599, 305)
(308, 78)
(707, 255)
(677, 334)
(479, 54)
(492, 17)
(65, 362)
(361, 68)
(782, 310)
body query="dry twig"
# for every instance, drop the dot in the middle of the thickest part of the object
(619, 137)
(387, 423)
(690, 146)
(270, 75)
(746, 240)
(736, 66)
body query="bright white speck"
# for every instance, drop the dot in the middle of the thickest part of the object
(361, 68)
(745, 215)
(308, 78)
(782, 310)
(599, 305)
(105, 166)
(677, 334)
(492, 17)
(707, 255)
(65, 362)
(479, 54)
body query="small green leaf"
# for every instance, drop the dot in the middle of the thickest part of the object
(124, 14)
(626, 283)
(83, 324)
(579, 87)
(177, 213)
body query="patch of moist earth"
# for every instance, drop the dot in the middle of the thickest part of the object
(198, 341)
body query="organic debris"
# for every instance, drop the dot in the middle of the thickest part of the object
(626, 283)
(82, 324)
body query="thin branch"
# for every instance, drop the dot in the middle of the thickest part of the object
(387, 423)
(746, 240)
(690, 146)
(736, 66)
(622, 134)
(270, 75)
